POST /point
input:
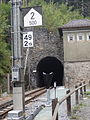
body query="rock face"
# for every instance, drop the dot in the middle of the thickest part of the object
(45, 44)
(76, 72)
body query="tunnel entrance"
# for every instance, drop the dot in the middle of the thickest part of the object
(49, 65)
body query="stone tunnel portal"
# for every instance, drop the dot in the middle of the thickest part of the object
(48, 65)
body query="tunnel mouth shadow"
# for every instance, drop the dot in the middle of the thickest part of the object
(47, 65)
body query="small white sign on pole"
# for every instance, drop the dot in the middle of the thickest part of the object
(28, 39)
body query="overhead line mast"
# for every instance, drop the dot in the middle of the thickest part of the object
(17, 55)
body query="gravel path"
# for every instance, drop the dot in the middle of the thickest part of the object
(82, 111)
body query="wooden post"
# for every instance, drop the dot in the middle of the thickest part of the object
(81, 91)
(8, 80)
(0, 90)
(84, 87)
(89, 82)
(76, 96)
(54, 103)
(68, 100)
(1, 1)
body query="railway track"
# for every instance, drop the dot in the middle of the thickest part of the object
(7, 106)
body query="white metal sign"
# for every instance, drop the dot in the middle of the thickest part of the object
(32, 18)
(28, 39)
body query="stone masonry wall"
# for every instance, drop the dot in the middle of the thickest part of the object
(76, 72)
(50, 44)
(45, 44)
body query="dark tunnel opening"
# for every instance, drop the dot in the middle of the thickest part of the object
(48, 65)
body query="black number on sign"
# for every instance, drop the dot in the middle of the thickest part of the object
(25, 43)
(30, 37)
(26, 37)
(32, 17)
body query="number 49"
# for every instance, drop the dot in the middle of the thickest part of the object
(28, 37)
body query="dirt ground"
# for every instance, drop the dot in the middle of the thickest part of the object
(82, 110)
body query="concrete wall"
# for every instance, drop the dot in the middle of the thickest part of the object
(76, 50)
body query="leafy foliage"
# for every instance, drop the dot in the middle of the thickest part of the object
(4, 46)
(4, 58)
(4, 20)
(54, 14)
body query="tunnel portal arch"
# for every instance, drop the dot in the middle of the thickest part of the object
(50, 64)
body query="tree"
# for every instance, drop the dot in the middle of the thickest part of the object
(82, 5)
(4, 1)
(54, 14)
(4, 46)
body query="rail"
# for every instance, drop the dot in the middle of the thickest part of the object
(68, 99)
(8, 105)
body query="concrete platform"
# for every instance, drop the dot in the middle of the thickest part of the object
(46, 113)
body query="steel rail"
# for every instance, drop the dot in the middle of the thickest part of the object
(6, 107)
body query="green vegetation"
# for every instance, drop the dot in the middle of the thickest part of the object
(4, 45)
(75, 110)
(74, 117)
(54, 14)
(82, 5)
(87, 93)
(77, 107)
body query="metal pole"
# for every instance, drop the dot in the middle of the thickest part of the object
(82, 8)
(8, 81)
(48, 96)
(55, 89)
(17, 53)
(26, 60)
(26, 3)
